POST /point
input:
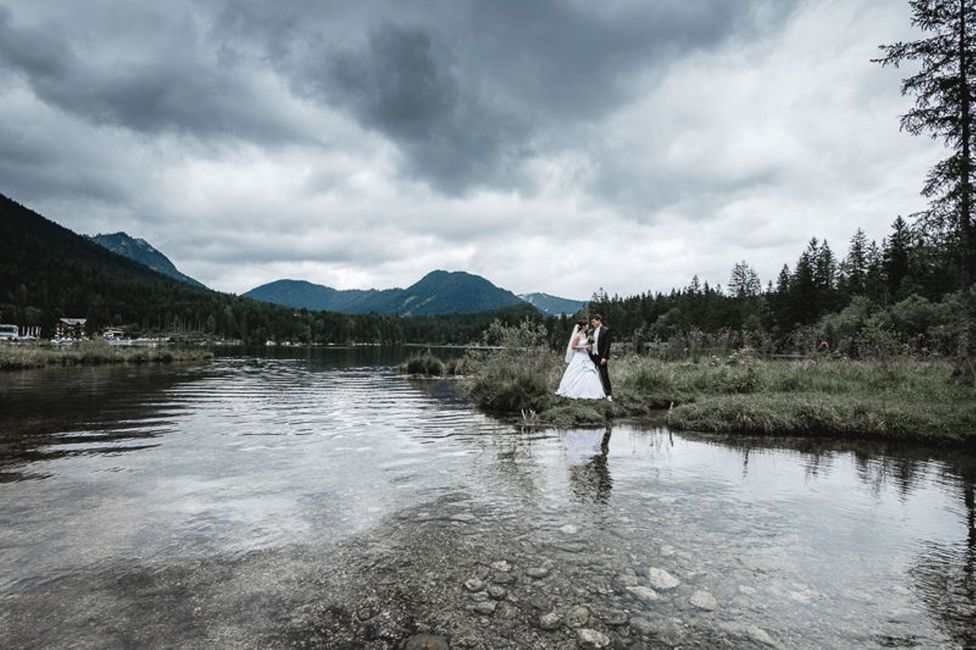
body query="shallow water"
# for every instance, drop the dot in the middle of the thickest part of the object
(317, 498)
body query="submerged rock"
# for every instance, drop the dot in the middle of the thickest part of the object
(486, 607)
(752, 632)
(502, 565)
(643, 626)
(577, 616)
(643, 594)
(661, 579)
(426, 642)
(615, 617)
(537, 572)
(474, 585)
(627, 580)
(704, 600)
(592, 638)
(549, 621)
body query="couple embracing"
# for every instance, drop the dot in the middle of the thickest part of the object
(588, 356)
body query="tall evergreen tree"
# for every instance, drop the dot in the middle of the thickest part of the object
(854, 268)
(943, 92)
(744, 281)
(896, 252)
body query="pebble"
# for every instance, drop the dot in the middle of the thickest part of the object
(569, 529)
(549, 621)
(752, 632)
(643, 626)
(667, 550)
(507, 610)
(474, 585)
(426, 642)
(627, 580)
(537, 572)
(615, 617)
(661, 579)
(501, 565)
(479, 596)
(644, 594)
(497, 592)
(704, 600)
(487, 607)
(501, 578)
(577, 616)
(592, 638)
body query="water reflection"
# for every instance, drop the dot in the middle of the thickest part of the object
(944, 573)
(589, 471)
(256, 472)
(54, 413)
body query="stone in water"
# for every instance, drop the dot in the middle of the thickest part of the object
(661, 579)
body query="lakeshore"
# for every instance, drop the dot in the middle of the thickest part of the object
(88, 353)
(901, 399)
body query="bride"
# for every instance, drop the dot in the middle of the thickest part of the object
(581, 379)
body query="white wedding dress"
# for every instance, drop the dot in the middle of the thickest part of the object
(581, 379)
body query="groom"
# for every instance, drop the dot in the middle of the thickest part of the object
(600, 352)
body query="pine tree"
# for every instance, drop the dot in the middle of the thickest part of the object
(896, 251)
(854, 268)
(943, 91)
(744, 281)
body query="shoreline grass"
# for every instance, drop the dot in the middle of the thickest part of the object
(899, 399)
(92, 353)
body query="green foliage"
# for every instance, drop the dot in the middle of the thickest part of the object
(894, 397)
(23, 356)
(518, 375)
(425, 364)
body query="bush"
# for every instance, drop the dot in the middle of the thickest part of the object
(425, 364)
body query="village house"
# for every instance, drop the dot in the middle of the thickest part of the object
(71, 328)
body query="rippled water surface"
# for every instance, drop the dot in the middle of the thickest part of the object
(324, 500)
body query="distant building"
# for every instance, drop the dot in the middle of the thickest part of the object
(113, 334)
(30, 332)
(71, 327)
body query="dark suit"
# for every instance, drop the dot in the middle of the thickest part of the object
(602, 351)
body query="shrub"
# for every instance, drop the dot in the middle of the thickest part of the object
(425, 364)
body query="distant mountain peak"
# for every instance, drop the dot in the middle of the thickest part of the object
(141, 251)
(553, 305)
(438, 292)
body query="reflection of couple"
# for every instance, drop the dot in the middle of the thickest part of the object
(588, 356)
(586, 453)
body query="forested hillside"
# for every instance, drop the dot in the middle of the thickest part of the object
(47, 272)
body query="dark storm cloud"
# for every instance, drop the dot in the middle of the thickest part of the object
(470, 90)
(188, 89)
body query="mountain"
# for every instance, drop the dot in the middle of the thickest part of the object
(553, 305)
(141, 251)
(48, 272)
(438, 292)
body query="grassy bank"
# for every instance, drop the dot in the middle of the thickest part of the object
(20, 356)
(903, 399)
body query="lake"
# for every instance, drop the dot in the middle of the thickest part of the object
(315, 498)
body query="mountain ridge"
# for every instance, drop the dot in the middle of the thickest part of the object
(141, 251)
(553, 305)
(438, 292)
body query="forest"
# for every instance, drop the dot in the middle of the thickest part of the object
(896, 296)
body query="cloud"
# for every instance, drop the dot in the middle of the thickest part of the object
(550, 146)
(170, 81)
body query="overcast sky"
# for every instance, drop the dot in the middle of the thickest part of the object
(549, 146)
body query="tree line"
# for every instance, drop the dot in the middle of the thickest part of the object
(899, 292)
